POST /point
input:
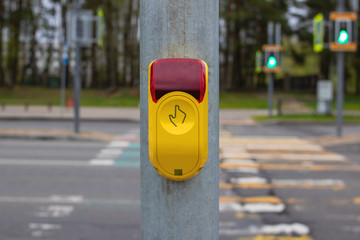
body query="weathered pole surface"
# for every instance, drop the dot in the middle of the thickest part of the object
(187, 209)
(340, 83)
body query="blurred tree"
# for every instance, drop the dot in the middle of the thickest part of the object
(130, 43)
(33, 12)
(111, 47)
(94, 6)
(15, 16)
(2, 24)
(245, 29)
(48, 34)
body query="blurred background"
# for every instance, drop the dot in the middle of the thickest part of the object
(34, 33)
(288, 177)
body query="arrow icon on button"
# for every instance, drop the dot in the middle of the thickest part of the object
(178, 117)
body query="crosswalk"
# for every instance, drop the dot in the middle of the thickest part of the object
(249, 206)
(253, 171)
(123, 151)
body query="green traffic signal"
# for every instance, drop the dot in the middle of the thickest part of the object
(343, 37)
(272, 62)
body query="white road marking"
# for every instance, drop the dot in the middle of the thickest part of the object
(102, 162)
(110, 151)
(118, 144)
(286, 157)
(243, 170)
(39, 229)
(67, 199)
(249, 180)
(315, 182)
(55, 211)
(51, 199)
(62, 199)
(44, 226)
(268, 147)
(233, 161)
(251, 207)
(31, 162)
(286, 229)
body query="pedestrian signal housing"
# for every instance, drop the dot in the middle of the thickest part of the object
(178, 117)
(343, 31)
(271, 56)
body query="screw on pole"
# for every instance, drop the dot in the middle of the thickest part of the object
(187, 209)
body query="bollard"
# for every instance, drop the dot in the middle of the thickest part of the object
(26, 106)
(49, 105)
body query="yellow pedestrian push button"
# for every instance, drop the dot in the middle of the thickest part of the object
(178, 117)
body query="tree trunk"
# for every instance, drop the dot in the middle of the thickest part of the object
(134, 69)
(126, 42)
(225, 68)
(14, 44)
(94, 67)
(110, 49)
(236, 69)
(32, 60)
(46, 71)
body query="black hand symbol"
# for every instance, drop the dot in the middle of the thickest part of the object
(179, 116)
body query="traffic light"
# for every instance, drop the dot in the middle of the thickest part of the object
(272, 62)
(343, 37)
(343, 31)
(318, 32)
(271, 54)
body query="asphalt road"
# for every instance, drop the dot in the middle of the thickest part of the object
(275, 184)
(306, 192)
(72, 190)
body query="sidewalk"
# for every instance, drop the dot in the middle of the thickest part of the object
(121, 114)
(101, 114)
(227, 116)
(57, 113)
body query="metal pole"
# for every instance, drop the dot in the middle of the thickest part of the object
(188, 209)
(77, 77)
(270, 93)
(271, 75)
(278, 33)
(63, 78)
(340, 92)
(340, 87)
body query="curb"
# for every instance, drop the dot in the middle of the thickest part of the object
(123, 120)
(54, 135)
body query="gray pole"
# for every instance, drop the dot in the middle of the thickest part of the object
(270, 93)
(77, 77)
(63, 77)
(187, 209)
(271, 75)
(340, 87)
